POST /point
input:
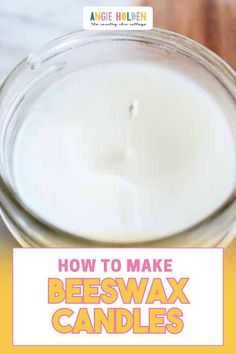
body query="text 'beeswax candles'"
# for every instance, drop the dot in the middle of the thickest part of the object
(125, 152)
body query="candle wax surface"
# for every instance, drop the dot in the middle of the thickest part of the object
(82, 163)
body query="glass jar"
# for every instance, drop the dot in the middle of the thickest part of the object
(83, 49)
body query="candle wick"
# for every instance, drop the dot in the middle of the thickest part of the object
(133, 109)
(133, 112)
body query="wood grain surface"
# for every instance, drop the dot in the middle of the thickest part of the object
(210, 22)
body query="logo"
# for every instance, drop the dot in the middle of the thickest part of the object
(117, 18)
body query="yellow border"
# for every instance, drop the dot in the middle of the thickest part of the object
(6, 318)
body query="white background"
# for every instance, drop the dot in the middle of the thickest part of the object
(113, 9)
(203, 317)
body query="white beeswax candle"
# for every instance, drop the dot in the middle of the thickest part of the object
(125, 152)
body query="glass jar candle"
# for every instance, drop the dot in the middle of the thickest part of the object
(119, 139)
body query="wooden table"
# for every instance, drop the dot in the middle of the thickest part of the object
(210, 22)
